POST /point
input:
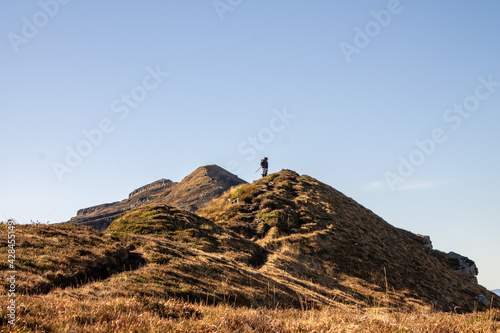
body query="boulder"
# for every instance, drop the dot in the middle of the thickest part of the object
(463, 265)
(426, 241)
(483, 300)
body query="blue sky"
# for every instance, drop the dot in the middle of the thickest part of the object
(394, 103)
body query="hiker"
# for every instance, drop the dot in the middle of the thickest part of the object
(264, 166)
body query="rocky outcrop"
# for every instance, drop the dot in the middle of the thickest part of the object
(458, 262)
(89, 210)
(157, 185)
(463, 265)
(426, 241)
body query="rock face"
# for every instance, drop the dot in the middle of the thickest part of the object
(426, 240)
(90, 210)
(193, 192)
(463, 265)
(157, 185)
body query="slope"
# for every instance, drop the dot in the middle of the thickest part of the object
(65, 255)
(282, 243)
(199, 188)
(315, 233)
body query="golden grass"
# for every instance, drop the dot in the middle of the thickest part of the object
(49, 256)
(325, 234)
(51, 313)
(323, 263)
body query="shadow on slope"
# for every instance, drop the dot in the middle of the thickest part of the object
(64, 255)
(193, 258)
(315, 233)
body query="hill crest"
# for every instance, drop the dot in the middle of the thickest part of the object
(191, 193)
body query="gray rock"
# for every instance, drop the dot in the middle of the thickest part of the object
(426, 240)
(483, 300)
(463, 265)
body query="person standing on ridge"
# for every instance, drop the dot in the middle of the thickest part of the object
(264, 166)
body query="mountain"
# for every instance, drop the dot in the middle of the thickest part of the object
(192, 193)
(285, 240)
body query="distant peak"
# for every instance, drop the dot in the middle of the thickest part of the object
(215, 172)
(213, 168)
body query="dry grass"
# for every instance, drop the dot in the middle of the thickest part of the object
(49, 256)
(328, 234)
(51, 313)
(321, 263)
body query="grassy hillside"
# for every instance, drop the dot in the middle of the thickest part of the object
(52, 256)
(198, 188)
(316, 233)
(286, 253)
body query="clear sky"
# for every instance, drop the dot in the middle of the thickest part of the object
(394, 103)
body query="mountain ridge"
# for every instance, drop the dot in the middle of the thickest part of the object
(204, 184)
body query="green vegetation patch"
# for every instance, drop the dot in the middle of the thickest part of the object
(246, 193)
(156, 219)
